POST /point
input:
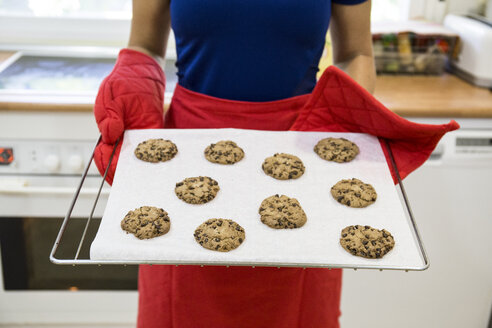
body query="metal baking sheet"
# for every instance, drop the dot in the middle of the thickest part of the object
(243, 188)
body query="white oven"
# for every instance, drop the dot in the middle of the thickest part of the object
(43, 155)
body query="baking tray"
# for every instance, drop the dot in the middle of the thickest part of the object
(243, 186)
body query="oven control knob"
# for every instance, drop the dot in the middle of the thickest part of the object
(52, 163)
(75, 163)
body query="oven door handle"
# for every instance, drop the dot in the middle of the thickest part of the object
(29, 190)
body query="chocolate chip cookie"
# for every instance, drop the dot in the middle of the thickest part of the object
(156, 150)
(367, 242)
(282, 212)
(146, 222)
(354, 193)
(338, 150)
(224, 152)
(221, 235)
(197, 190)
(283, 166)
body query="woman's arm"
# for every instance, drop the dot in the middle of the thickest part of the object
(150, 27)
(352, 42)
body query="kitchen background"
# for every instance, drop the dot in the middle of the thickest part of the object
(433, 63)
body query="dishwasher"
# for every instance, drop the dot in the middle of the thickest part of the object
(452, 204)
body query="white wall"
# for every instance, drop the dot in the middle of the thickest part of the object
(436, 10)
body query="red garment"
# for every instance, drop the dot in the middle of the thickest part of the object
(192, 296)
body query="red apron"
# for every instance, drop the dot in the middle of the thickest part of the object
(193, 296)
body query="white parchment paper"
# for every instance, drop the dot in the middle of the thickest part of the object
(243, 186)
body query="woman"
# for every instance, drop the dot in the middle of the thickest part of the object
(258, 60)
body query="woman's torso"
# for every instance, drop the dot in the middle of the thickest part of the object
(256, 50)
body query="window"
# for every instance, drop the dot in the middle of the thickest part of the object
(103, 23)
(389, 10)
(90, 23)
(108, 9)
(382, 9)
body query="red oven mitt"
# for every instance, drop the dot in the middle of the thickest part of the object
(339, 104)
(130, 97)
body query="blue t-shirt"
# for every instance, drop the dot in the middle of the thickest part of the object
(251, 50)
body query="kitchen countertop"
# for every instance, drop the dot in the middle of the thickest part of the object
(406, 95)
(433, 96)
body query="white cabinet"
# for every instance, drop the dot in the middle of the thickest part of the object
(452, 203)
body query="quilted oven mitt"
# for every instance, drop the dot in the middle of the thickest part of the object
(339, 104)
(130, 97)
